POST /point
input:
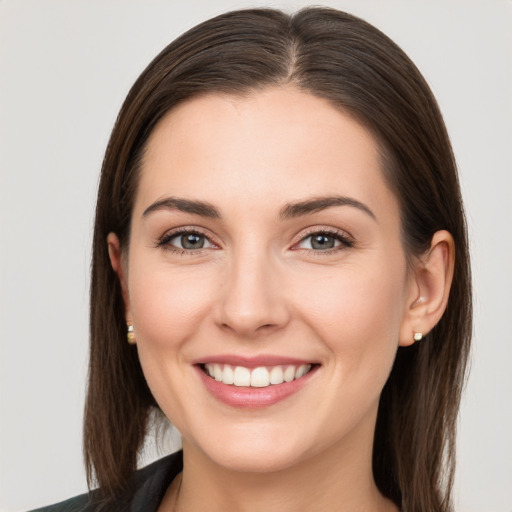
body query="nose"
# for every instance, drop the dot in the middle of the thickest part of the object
(252, 299)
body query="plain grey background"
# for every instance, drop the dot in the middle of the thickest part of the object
(65, 68)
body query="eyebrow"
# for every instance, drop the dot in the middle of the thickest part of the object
(317, 204)
(288, 211)
(201, 208)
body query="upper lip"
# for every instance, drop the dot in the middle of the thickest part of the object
(253, 361)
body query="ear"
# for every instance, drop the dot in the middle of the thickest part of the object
(118, 262)
(429, 288)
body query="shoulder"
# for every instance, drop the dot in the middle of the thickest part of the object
(147, 488)
(77, 504)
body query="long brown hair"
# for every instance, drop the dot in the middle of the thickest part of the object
(339, 57)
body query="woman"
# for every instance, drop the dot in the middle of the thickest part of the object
(280, 267)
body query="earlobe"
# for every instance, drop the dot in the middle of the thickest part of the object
(432, 280)
(118, 265)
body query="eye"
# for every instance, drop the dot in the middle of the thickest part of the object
(186, 241)
(324, 241)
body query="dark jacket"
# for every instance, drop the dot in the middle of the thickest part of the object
(148, 487)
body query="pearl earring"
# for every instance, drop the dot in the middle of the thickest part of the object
(418, 336)
(130, 335)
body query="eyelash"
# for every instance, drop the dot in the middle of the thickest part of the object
(164, 241)
(345, 241)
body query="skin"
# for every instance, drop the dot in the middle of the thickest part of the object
(258, 286)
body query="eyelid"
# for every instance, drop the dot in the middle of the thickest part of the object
(164, 240)
(345, 238)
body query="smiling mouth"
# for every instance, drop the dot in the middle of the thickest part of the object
(259, 377)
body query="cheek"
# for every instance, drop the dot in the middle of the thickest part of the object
(167, 305)
(358, 313)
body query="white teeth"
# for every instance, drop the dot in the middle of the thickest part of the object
(228, 376)
(217, 372)
(259, 377)
(302, 370)
(276, 375)
(289, 373)
(242, 376)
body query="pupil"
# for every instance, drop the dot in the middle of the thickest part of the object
(322, 242)
(192, 241)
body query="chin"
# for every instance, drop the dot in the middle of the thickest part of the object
(254, 460)
(260, 449)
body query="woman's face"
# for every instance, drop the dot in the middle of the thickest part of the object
(266, 243)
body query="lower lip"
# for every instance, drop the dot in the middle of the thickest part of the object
(251, 398)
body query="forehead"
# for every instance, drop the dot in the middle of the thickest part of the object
(270, 144)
